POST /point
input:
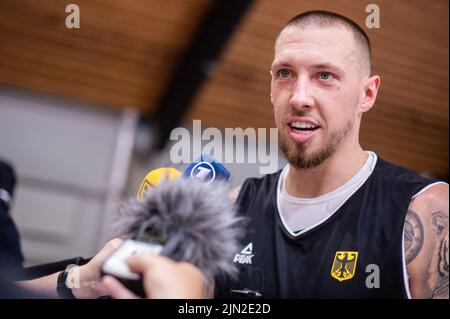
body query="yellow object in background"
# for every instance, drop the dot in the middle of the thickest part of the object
(155, 176)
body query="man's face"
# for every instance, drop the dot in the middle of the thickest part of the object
(315, 91)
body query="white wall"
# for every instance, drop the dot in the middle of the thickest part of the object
(62, 152)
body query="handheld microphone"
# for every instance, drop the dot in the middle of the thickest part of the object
(155, 176)
(207, 169)
(204, 168)
(184, 219)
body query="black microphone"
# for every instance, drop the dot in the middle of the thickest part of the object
(184, 219)
(7, 184)
(11, 256)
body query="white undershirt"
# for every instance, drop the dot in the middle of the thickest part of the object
(300, 214)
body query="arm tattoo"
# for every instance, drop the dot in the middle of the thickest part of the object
(413, 236)
(439, 263)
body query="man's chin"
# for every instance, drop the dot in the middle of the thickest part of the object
(306, 158)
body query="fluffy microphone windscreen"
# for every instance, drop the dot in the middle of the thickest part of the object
(199, 220)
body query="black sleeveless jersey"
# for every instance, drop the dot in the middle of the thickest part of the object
(356, 253)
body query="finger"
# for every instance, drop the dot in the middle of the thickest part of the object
(112, 245)
(108, 249)
(116, 289)
(143, 262)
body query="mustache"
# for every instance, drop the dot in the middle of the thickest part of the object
(299, 113)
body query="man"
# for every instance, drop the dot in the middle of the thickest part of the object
(337, 221)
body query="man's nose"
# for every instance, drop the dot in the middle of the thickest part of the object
(302, 95)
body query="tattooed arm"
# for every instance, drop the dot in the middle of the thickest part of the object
(426, 243)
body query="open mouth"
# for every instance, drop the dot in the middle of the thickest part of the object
(304, 128)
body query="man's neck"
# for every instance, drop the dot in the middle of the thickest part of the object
(335, 171)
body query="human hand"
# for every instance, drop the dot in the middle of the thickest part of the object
(90, 281)
(163, 279)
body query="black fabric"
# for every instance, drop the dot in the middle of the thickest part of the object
(370, 222)
(9, 290)
(10, 251)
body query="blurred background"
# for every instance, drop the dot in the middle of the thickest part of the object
(86, 112)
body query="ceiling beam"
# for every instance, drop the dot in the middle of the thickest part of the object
(193, 68)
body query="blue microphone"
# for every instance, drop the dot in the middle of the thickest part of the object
(206, 169)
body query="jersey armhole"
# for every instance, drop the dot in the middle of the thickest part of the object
(426, 188)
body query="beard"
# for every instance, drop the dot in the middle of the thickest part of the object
(298, 155)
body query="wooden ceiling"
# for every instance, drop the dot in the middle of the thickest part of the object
(125, 51)
(122, 54)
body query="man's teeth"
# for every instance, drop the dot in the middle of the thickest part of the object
(303, 125)
(303, 132)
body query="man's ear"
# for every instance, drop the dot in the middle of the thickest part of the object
(370, 92)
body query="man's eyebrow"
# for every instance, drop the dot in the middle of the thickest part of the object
(327, 66)
(317, 66)
(279, 64)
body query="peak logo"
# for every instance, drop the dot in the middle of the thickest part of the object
(245, 256)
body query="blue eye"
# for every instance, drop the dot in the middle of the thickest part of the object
(284, 73)
(325, 75)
